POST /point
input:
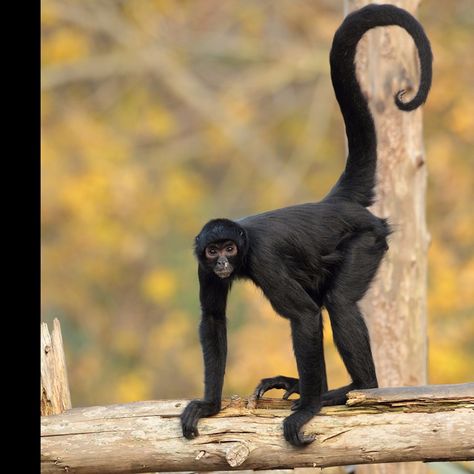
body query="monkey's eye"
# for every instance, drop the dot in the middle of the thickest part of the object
(231, 250)
(211, 251)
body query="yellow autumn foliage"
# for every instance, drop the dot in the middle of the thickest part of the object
(64, 45)
(462, 119)
(159, 122)
(127, 341)
(131, 168)
(134, 386)
(159, 286)
(163, 337)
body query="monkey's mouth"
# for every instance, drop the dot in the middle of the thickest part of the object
(224, 273)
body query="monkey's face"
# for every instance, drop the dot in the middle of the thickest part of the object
(221, 257)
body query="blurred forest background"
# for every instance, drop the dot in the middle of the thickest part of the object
(158, 115)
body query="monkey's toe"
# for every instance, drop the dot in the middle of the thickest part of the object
(292, 426)
(189, 427)
(190, 418)
(290, 384)
(296, 405)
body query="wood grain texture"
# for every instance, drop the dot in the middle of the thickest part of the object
(462, 392)
(146, 436)
(55, 396)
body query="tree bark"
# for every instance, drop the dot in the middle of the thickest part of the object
(395, 306)
(423, 424)
(55, 396)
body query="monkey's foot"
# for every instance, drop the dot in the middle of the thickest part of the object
(293, 423)
(195, 410)
(337, 396)
(290, 384)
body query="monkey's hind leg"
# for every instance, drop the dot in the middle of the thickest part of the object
(289, 384)
(362, 259)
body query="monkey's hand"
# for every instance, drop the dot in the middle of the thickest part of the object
(194, 410)
(293, 423)
(290, 384)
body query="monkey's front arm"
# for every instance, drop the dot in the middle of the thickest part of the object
(213, 336)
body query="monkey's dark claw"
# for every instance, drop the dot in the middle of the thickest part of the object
(293, 424)
(190, 432)
(289, 384)
(303, 440)
(291, 391)
(190, 418)
(195, 410)
(296, 405)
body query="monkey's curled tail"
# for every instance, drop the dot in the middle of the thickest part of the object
(358, 179)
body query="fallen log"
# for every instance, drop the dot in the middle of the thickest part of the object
(382, 425)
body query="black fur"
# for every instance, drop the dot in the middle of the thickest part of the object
(313, 255)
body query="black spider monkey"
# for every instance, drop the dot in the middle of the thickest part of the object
(309, 256)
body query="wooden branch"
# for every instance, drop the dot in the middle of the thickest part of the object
(424, 423)
(55, 396)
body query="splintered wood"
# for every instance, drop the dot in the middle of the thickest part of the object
(55, 396)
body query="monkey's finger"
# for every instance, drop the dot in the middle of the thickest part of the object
(190, 430)
(188, 427)
(261, 389)
(290, 430)
(305, 439)
(289, 392)
(292, 435)
(296, 405)
(256, 393)
(268, 384)
(261, 392)
(189, 420)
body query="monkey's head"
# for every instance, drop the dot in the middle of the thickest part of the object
(221, 247)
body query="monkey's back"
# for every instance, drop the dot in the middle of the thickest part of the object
(307, 241)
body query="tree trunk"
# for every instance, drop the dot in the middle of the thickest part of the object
(55, 396)
(427, 423)
(395, 306)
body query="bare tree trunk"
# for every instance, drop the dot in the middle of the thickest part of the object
(395, 307)
(55, 396)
